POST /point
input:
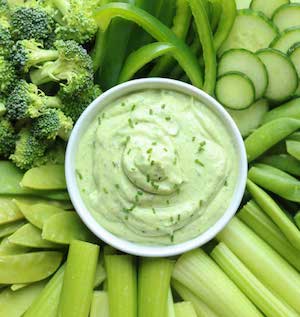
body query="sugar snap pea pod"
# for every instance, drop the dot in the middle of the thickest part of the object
(284, 162)
(293, 148)
(78, 284)
(295, 136)
(15, 303)
(9, 212)
(38, 214)
(9, 228)
(156, 29)
(98, 50)
(271, 208)
(290, 109)
(29, 267)
(47, 177)
(181, 23)
(30, 236)
(276, 181)
(216, 13)
(8, 248)
(46, 303)
(139, 58)
(65, 227)
(226, 22)
(297, 219)
(268, 135)
(206, 38)
(16, 287)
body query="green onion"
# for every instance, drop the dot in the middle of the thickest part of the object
(185, 309)
(258, 293)
(99, 307)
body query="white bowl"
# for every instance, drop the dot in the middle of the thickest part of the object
(89, 115)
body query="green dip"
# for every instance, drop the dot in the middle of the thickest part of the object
(157, 167)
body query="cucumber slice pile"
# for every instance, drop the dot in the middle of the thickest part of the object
(267, 7)
(287, 16)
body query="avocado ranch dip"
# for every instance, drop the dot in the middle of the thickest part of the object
(156, 167)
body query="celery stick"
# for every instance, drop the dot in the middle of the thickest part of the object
(14, 304)
(153, 286)
(79, 279)
(170, 308)
(100, 275)
(253, 216)
(122, 285)
(201, 308)
(297, 219)
(264, 262)
(185, 309)
(271, 208)
(99, 307)
(46, 304)
(201, 275)
(260, 295)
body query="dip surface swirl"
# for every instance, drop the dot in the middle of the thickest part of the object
(156, 167)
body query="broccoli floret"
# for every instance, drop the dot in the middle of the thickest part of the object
(32, 23)
(7, 75)
(7, 138)
(28, 150)
(30, 53)
(75, 19)
(73, 69)
(6, 42)
(52, 123)
(2, 105)
(27, 101)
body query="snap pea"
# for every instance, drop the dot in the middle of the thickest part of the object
(139, 58)
(216, 13)
(276, 181)
(9, 228)
(156, 29)
(65, 227)
(271, 208)
(9, 211)
(16, 287)
(30, 236)
(293, 148)
(8, 248)
(295, 136)
(29, 267)
(297, 219)
(15, 303)
(97, 53)
(47, 177)
(38, 214)
(268, 135)
(290, 109)
(285, 162)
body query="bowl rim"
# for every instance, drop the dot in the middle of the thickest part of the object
(70, 166)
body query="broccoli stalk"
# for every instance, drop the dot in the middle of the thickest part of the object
(7, 138)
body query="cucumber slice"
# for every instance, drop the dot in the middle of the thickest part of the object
(267, 7)
(242, 4)
(283, 79)
(294, 54)
(287, 16)
(241, 60)
(249, 119)
(235, 90)
(284, 41)
(251, 30)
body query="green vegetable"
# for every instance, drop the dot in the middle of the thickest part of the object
(253, 288)
(170, 305)
(100, 274)
(7, 248)
(9, 212)
(293, 148)
(7, 75)
(287, 110)
(65, 227)
(99, 305)
(153, 286)
(185, 309)
(122, 285)
(283, 162)
(29, 267)
(197, 272)
(7, 138)
(79, 277)
(9, 228)
(297, 219)
(16, 287)
(265, 263)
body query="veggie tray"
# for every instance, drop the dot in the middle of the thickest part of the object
(56, 56)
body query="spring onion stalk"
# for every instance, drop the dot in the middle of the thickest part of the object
(201, 275)
(99, 307)
(122, 285)
(254, 289)
(271, 208)
(46, 304)
(157, 30)
(254, 217)
(185, 309)
(79, 279)
(200, 307)
(297, 219)
(264, 262)
(171, 308)
(153, 286)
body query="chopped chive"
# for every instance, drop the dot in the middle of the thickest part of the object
(128, 152)
(201, 146)
(105, 190)
(168, 202)
(148, 178)
(199, 162)
(193, 138)
(103, 115)
(123, 104)
(99, 120)
(130, 123)
(178, 217)
(129, 209)
(117, 186)
(200, 202)
(152, 163)
(133, 107)
(157, 229)
(165, 149)
(150, 111)
(79, 174)
(149, 150)
(167, 118)
(127, 138)
(175, 160)
(136, 198)
(163, 106)
(114, 164)
(154, 143)
(155, 186)
(153, 210)
(126, 217)
(171, 219)
(226, 183)
(172, 237)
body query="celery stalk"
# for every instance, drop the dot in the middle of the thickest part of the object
(79, 279)
(171, 308)
(122, 285)
(185, 309)
(264, 262)
(260, 295)
(253, 216)
(99, 307)
(100, 275)
(153, 286)
(201, 308)
(201, 275)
